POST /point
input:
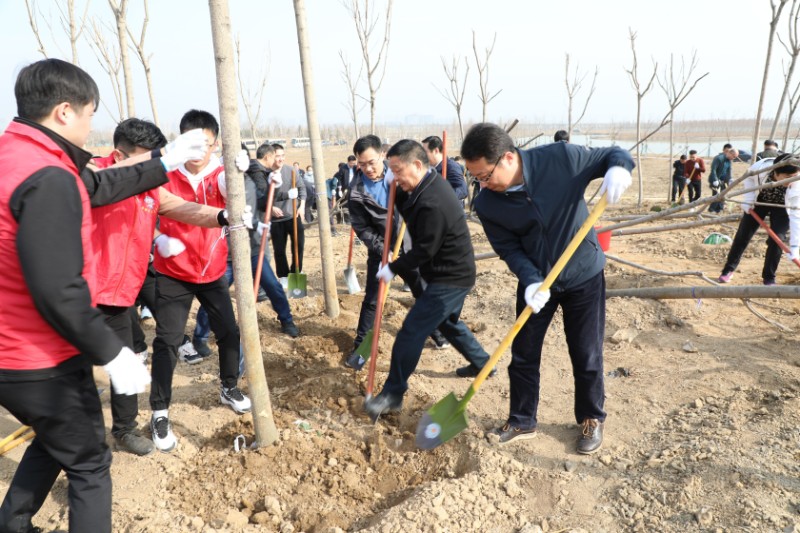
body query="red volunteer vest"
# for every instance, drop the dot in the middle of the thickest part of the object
(206, 255)
(27, 341)
(122, 233)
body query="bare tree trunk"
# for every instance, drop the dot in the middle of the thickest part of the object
(352, 88)
(121, 16)
(704, 291)
(456, 89)
(108, 57)
(325, 238)
(145, 60)
(483, 74)
(248, 96)
(640, 93)
(266, 432)
(71, 26)
(375, 66)
(776, 15)
(30, 6)
(573, 88)
(793, 49)
(794, 100)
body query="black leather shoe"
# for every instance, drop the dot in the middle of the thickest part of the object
(355, 361)
(591, 438)
(471, 371)
(507, 433)
(135, 444)
(439, 341)
(381, 404)
(290, 329)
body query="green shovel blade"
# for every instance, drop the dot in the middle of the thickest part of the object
(365, 348)
(297, 285)
(443, 421)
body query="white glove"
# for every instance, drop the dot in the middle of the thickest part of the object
(189, 146)
(275, 179)
(616, 180)
(746, 207)
(168, 246)
(697, 166)
(794, 253)
(688, 181)
(715, 183)
(536, 298)
(247, 217)
(293, 194)
(385, 274)
(127, 373)
(389, 176)
(242, 161)
(262, 227)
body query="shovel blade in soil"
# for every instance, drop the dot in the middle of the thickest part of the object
(365, 348)
(297, 285)
(351, 280)
(441, 423)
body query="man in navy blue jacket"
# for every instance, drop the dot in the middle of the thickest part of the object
(531, 207)
(455, 174)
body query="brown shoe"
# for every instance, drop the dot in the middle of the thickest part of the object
(591, 437)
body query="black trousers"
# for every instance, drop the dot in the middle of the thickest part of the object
(584, 309)
(778, 222)
(694, 190)
(281, 233)
(124, 407)
(174, 300)
(677, 187)
(147, 297)
(717, 207)
(369, 305)
(65, 413)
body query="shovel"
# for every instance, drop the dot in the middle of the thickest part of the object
(264, 236)
(778, 241)
(365, 348)
(448, 418)
(297, 282)
(350, 273)
(387, 238)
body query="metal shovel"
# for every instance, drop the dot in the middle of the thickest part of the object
(297, 282)
(350, 273)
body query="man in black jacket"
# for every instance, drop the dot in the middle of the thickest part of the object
(455, 174)
(531, 206)
(368, 202)
(443, 254)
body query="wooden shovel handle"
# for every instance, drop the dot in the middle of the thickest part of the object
(376, 328)
(14, 435)
(546, 284)
(444, 154)
(772, 234)
(294, 217)
(264, 235)
(350, 251)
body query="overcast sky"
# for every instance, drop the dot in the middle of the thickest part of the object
(533, 36)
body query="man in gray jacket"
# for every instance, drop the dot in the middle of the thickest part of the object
(282, 228)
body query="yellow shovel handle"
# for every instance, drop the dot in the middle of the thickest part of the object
(395, 251)
(13, 436)
(14, 440)
(548, 281)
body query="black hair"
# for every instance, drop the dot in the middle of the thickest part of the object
(43, 85)
(433, 142)
(683, 156)
(264, 150)
(727, 146)
(365, 143)
(788, 169)
(194, 119)
(134, 133)
(486, 140)
(277, 146)
(770, 142)
(351, 158)
(561, 135)
(692, 152)
(408, 151)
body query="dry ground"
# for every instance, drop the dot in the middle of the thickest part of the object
(699, 440)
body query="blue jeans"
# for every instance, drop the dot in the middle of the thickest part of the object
(271, 286)
(439, 305)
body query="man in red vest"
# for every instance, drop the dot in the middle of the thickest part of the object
(52, 334)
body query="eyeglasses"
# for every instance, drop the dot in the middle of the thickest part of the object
(486, 178)
(372, 163)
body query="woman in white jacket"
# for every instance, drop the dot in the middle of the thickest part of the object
(779, 220)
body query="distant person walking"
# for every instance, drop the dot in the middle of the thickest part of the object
(693, 170)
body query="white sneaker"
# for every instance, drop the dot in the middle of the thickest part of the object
(163, 437)
(235, 399)
(143, 356)
(187, 353)
(145, 314)
(284, 283)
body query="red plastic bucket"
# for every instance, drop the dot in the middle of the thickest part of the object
(604, 238)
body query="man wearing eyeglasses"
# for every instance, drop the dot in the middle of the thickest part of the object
(530, 209)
